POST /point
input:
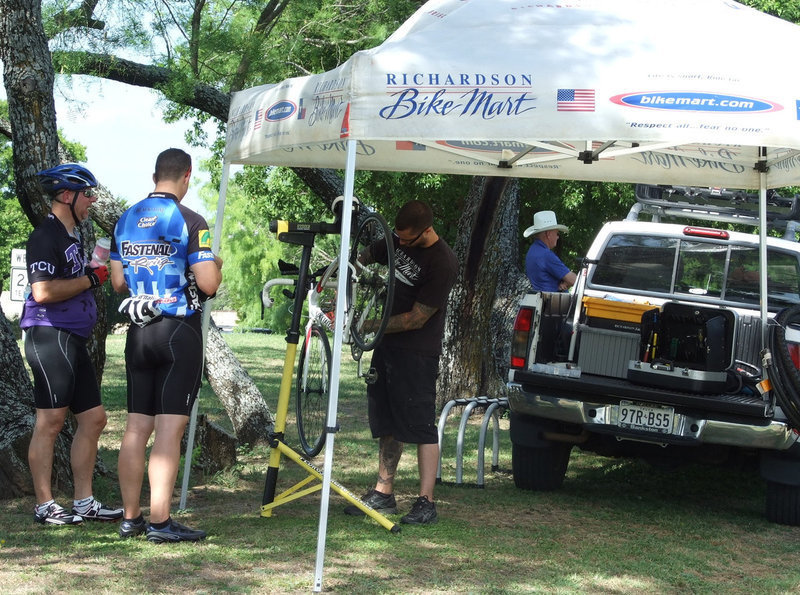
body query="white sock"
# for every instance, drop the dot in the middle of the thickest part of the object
(45, 506)
(84, 503)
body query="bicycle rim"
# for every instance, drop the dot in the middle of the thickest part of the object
(313, 390)
(373, 284)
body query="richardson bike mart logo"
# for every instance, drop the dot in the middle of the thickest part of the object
(696, 102)
(481, 95)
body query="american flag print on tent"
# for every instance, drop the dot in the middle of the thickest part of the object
(575, 100)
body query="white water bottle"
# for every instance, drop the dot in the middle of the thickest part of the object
(100, 253)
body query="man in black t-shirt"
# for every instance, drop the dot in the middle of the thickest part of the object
(402, 402)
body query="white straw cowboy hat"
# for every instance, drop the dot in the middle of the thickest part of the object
(544, 221)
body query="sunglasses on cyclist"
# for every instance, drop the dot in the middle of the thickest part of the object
(89, 192)
(408, 242)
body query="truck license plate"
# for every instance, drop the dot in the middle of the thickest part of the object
(649, 418)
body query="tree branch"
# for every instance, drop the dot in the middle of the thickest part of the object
(80, 17)
(326, 183)
(203, 97)
(5, 128)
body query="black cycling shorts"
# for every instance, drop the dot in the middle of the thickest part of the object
(402, 402)
(63, 372)
(164, 365)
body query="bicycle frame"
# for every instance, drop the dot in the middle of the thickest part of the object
(319, 316)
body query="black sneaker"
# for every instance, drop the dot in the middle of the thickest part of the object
(132, 527)
(423, 512)
(378, 501)
(55, 515)
(174, 532)
(97, 512)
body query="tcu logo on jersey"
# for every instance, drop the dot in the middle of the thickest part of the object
(42, 266)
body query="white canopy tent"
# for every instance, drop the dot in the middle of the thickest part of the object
(687, 92)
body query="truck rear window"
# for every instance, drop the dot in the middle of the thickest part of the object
(637, 262)
(673, 266)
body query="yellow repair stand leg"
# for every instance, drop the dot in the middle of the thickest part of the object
(278, 447)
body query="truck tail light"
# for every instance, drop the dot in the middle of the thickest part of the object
(794, 353)
(519, 340)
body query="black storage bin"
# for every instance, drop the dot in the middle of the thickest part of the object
(685, 347)
(689, 336)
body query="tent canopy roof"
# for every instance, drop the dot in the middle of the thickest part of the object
(688, 92)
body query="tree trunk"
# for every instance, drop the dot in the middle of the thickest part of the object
(248, 412)
(28, 80)
(482, 305)
(17, 415)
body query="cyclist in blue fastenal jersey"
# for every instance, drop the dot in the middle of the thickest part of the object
(161, 256)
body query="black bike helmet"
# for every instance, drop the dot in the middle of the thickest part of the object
(67, 176)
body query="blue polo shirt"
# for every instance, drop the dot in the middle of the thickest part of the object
(544, 269)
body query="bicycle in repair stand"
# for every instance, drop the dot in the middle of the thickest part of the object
(369, 292)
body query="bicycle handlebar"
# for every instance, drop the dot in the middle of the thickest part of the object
(265, 299)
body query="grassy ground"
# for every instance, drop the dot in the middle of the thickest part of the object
(615, 527)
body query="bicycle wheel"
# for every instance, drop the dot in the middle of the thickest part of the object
(313, 388)
(373, 282)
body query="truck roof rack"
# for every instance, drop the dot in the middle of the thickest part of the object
(715, 204)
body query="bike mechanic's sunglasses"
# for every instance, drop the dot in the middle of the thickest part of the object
(408, 242)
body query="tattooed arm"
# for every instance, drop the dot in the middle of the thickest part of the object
(411, 320)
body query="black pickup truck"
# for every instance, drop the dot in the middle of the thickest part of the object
(661, 352)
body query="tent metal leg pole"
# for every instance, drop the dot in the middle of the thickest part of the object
(338, 336)
(187, 466)
(762, 245)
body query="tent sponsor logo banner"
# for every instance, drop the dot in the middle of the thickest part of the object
(696, 102)
(482, 95)
(400, 80)
(280, 110)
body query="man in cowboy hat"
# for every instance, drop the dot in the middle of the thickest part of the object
(544, 269)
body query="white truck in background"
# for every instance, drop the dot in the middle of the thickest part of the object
(658, 352)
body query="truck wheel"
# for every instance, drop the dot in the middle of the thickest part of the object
(783, 503)
(540, 468)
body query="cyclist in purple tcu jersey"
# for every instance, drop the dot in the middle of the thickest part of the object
(58, 317)
(161, 255)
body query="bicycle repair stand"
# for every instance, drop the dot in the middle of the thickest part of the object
(305, 238)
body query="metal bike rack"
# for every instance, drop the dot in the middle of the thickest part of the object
(492, 408)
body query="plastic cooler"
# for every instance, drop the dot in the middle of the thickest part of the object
(614, 315)
(610, 338)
